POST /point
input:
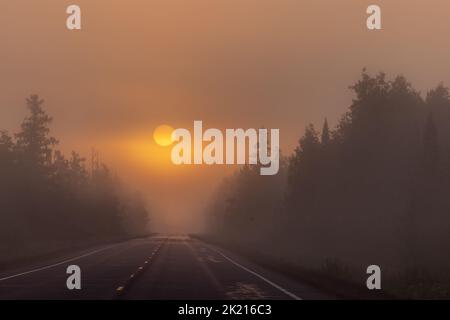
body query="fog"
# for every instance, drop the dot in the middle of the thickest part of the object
(137, 64)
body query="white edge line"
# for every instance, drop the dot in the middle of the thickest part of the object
(57, 264)
(286, 292)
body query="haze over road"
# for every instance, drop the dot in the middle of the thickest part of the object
(159, 267)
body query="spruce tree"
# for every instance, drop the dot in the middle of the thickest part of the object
(325, 133)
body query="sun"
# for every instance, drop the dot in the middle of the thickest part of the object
(163, 135)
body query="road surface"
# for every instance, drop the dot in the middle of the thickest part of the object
(158, 267)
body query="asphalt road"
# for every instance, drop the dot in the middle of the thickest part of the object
(159, 267)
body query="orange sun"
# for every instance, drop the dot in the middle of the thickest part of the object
(163, 135)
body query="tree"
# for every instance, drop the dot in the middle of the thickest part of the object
(438, 96)
(78, 168)
(325, 133)
(48, 201)
(7, 160)
(303, 173)
(34, 139)
(381, 181)
(438, 103)
(304, 154)
(430, 144)
(6, 147)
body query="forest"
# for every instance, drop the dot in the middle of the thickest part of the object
(372, 190)
(50, 202)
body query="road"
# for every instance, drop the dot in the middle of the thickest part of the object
(158, 267)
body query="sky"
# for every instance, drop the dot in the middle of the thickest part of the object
(137, 64)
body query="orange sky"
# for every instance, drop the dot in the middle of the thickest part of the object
(140, 63)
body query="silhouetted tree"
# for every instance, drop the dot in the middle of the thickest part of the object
(6, 149)
(430, 144)
(376, 189)
(325, 133)
(50, 202)
(34, 139)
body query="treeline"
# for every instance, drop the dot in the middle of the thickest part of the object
(374, 190)
(49, 202)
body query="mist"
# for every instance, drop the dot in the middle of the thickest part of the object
(280, 64)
